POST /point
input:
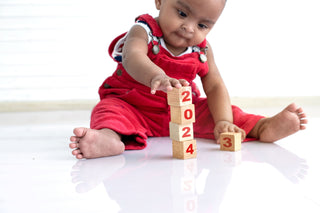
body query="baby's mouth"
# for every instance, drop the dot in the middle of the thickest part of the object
(184, 35)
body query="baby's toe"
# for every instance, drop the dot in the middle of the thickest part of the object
(76, 152)
(74, 139)
(80, 131)
(79, 156)
(74, 145)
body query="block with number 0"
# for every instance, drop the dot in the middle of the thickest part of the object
(182, 114)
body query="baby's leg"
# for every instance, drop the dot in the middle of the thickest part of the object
(287, 122)
(92, 143)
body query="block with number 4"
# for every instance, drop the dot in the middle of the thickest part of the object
(181, 132)
(180, 97)
(184, 149)
(230, 141)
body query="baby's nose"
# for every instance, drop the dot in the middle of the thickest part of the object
(188, 28)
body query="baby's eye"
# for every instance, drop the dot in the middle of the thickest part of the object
(203, 26)
(182, 14)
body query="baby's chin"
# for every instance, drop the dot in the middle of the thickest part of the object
(177, 47)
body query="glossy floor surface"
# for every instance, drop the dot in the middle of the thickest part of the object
(38, 174)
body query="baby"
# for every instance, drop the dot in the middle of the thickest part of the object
(156, 55)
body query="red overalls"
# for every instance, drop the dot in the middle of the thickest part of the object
(128, 107)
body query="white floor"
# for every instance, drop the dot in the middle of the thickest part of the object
(38, 174)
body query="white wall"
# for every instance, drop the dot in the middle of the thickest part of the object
(269, 47)
(57, 49)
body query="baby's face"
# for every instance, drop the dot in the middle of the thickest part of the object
(186, 23)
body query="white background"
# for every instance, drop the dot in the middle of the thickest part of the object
(57, 49)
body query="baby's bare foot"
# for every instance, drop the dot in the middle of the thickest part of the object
(285, 123)
(92, 143)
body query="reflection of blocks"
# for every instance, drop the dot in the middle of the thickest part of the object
(184, 149)
(191, 203)
(188, 185)
(180, 97)
(181, 132)
(182, 114)
(231, 158)
(190, 167)
(185, 168)
(230, 141)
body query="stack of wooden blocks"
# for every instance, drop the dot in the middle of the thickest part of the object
(181, 125)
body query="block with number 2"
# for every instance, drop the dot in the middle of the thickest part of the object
(180, 97)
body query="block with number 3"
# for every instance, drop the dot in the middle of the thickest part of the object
(184, 149)
(230, 141)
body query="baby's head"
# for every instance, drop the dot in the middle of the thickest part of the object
(187, 22)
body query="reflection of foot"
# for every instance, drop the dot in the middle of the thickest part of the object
(291, 166)
(285, 123)
(87, 174)
(92, 143)
(293, 171)
(287, 163)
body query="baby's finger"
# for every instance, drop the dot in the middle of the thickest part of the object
(243, 133)
(231, 129)
(184, 82)
(166, 85)
(154, 86)
(175, 83)
(217, 133)
(225, 128)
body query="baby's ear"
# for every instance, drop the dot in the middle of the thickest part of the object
(158, 4)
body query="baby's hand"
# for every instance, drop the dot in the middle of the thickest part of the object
(226, 126)
(165, 83)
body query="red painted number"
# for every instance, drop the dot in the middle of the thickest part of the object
(191, 205)
(188, 114)
(227, 142)
(187, 185)
(186, 96)
(190, 149)
(186, 131)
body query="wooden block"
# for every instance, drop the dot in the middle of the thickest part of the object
(184, 149)
(182, 114)
(181, 132)
(230, 141)
(180, 97)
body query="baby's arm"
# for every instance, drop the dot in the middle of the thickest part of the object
(218, 99)
(141, 68)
